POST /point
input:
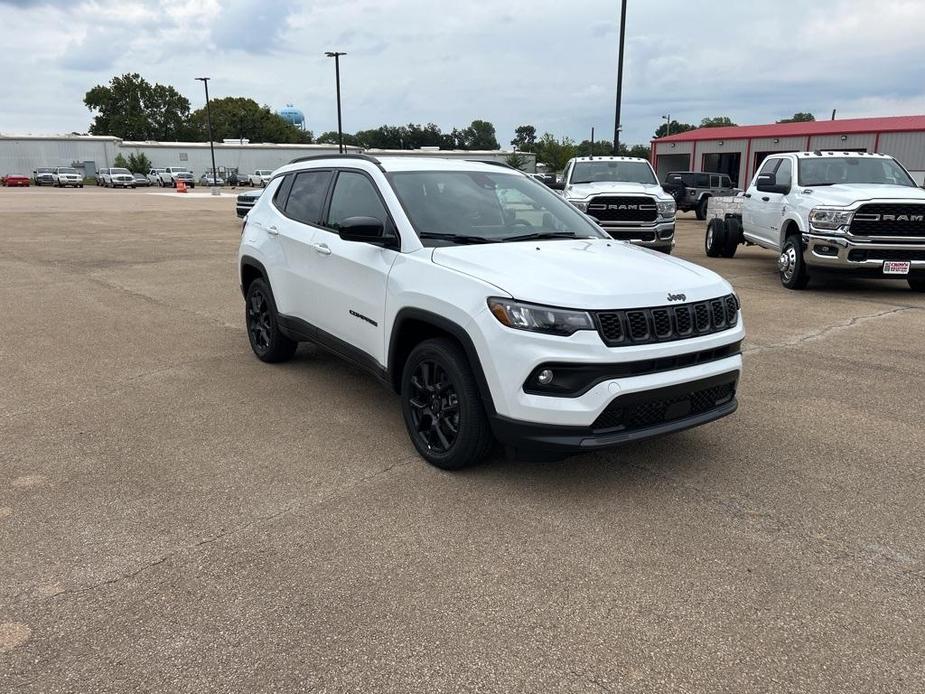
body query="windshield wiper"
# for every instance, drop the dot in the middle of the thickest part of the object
(546, 235)
(456, 238)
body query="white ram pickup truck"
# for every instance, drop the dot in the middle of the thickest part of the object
(624, 197)
(260, 178)
(170, 176)
(827, 211)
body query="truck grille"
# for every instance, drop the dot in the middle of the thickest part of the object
(611, 208)
(631, 235)
(641, 326)
(860, 255)
(632, 412)
(889, 219)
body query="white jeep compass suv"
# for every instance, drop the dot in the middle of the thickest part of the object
(493, 307)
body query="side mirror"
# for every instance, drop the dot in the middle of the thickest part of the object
(362, 229)
(767, 183)
(557, 185)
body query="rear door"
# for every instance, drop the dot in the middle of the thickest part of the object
(351, 277)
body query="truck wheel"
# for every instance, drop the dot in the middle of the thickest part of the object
(715, 240)
(441, 406)
(917, 284)
(702, 208)
(791, 265)
(262, 321)
(733, 237)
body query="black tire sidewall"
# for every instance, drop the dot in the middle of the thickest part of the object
(474, 434)
(799, 278)
(719, 238)
(281, 348)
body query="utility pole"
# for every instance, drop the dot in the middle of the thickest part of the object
(616, 120)
(205, 82)
(340, 129)
(667, 120)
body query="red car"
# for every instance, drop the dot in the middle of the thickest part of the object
(11, 180)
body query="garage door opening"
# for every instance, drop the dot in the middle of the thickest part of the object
(666, 163)
(725, 164)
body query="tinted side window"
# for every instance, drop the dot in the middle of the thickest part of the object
(354, 196)
(784, 173)
(279, 199)
(725, 182)
(701, 180)
(714, 181)
(768, 166)
(307, 196)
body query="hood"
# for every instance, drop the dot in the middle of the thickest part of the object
(844, 194)
(583, 273)
(586, 190)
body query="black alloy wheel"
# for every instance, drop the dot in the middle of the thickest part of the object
(266, 339)
(434, 405)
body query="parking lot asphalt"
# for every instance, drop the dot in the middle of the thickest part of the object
(177, 516)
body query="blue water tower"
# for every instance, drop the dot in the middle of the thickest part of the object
(293, 115)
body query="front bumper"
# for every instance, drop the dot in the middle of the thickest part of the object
(507, 369)
(659, 235)
(863, 257)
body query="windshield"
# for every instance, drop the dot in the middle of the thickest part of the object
(120, 171)
(473, 207)
(65, 169)
(615, 171)
(827, 171)
(40, 170)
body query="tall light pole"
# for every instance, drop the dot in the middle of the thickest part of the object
(340, 129)
(616, 120)
(205, 82)
(667, 120)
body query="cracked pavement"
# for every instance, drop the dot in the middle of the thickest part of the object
(177, 516)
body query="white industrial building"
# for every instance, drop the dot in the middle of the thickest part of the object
(739, 150)
(89, 153)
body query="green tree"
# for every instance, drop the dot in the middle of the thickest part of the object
(524, 137)
(235, 117)
(555, 153)
(800, 117)
(132, 108)
(676, 128)
(120, 161)
(139, 163)
(716, 122)
(602, 148)
(516, 159)
(330, 138)
(479, 135)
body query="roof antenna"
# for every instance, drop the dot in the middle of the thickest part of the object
(591, 153)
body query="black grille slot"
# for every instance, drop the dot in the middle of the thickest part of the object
(641, 414)
(612, 208)
(889, 219)
(666, 323)
(860, 255)
(639, 325)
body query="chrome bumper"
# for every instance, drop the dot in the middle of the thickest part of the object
(838, 252)
(662, 233)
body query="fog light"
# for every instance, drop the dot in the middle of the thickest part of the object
(544, 377)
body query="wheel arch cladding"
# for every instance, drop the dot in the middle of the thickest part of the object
(252, 269)
(790, 228)
(412, 326)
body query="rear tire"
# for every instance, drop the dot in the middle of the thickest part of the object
(715, 239)
(262, 321)
(917, 284)
(701, 211)
(442, 408)
(790, 264)
(733, 237)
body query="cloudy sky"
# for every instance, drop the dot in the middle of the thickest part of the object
(546, 62)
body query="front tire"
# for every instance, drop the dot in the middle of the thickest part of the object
(262, 321)
(441, 406)
(790, 264)
(701, 211)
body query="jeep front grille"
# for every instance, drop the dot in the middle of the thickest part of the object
(640, 326)
(889, 219)
(613, 208)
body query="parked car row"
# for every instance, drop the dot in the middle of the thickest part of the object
(16, 181)
(59, 176)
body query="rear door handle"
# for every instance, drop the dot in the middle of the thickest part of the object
(766, 198)
(748, 195)
(273, 230)
(321, 248)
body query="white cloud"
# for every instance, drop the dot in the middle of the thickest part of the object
(549, 64)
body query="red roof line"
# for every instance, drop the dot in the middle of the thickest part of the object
(819, 127)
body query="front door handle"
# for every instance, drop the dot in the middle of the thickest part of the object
(321, 248)
(748, 195)
(766, 198)
(273, 230)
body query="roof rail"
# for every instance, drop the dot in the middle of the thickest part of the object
(493, 162)
(337, 155)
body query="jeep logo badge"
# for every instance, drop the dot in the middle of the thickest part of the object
(677, 297)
